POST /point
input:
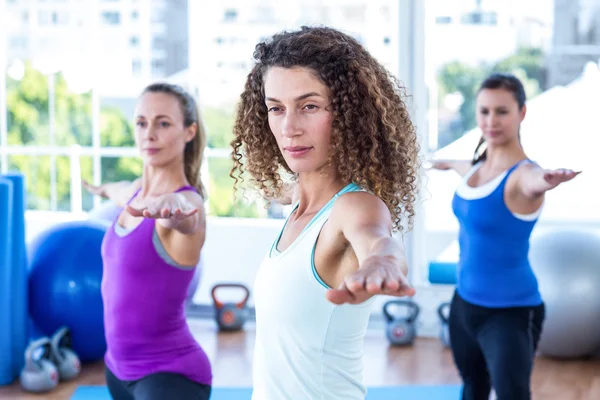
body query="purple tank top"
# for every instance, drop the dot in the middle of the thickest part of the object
(144, 309)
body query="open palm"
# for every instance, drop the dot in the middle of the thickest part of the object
(93, 189)
(377, 275)
(169, 206)
(558, 176)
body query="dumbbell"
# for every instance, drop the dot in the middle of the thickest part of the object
(230, 316)
(401, 330)
(66, 361)
(39, 373)
(443, 312)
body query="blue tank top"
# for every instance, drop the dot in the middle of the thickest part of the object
(493, 268)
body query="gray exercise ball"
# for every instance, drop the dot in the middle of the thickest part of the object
(567, 265)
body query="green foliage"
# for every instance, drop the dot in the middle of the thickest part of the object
(219, 126)
(455, 77)
(29, 122)
(221, 198)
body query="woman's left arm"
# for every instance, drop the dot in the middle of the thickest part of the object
(182, 212)
(366, 224)
(535, 181)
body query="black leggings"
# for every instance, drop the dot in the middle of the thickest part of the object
(494, 347)
(156, 387)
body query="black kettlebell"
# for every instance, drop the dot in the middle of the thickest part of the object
(230, 316)
(401, 330)
(444, 314)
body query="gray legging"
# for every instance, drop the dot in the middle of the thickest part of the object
(158, 386)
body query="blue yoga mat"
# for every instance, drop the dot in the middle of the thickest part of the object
(6, 305)
(374, 393)
(18, 278)
(442, 273)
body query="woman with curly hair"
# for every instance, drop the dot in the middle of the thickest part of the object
(319, 108)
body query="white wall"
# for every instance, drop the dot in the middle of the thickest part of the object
(235, 248)
(233, 251)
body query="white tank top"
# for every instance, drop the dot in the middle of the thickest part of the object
(306, 347)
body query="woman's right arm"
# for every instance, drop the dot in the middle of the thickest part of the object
(460, 166)
(117, 192)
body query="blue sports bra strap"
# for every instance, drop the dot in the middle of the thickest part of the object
(517, 165)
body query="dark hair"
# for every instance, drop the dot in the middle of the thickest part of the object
(194, 149)
(500, 81)
(373, 141)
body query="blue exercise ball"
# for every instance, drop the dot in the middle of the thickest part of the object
(64, 285)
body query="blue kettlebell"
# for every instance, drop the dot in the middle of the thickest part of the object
(401, 330)
(230, 316)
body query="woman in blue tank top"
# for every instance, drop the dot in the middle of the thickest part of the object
(150, 253)
(318, 110)
(497, 312)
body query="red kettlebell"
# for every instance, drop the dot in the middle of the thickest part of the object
(230, 316)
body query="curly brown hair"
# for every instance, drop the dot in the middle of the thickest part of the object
(373, 141)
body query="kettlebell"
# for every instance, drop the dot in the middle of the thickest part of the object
(401, 330)
(66, 361)
(443, 312)
(230, 316)
(39, 373)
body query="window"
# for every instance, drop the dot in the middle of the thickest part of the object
(230, 15)
(355, 14)
(111, 17)
(44, 17)
(158, 68)
(136, 67)
(17, 43)
(480, 18)
(586, 23)
(60, 18)
(159, 42)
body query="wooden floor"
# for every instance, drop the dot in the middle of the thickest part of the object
(426, 362)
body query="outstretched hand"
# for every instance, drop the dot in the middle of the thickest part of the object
(558, 176)
(376, 275)
(442, 165)
(172, 206)
(95, 190)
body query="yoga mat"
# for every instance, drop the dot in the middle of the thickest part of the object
(409, 392)
(442, 273)
(18, 278)
(6, 302)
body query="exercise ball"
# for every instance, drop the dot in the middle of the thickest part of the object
(567, 265)
(64, 285)
(105, 212)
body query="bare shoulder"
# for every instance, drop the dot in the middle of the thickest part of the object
(360, 209)
(524, 170)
